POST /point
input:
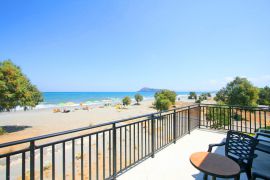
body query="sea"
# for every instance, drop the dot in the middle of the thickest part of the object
(57, 99)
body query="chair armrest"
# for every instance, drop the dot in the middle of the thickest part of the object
(212, 145)
(262, 134)
(265, 130)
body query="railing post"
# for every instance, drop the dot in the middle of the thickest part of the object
(153, 135)
(174, 127)
(230, 118)
(32, 160)
(188, 119)
(200, 115)
(114, 151)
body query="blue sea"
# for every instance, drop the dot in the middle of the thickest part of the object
(54, 99)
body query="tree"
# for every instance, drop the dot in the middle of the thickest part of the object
(238, 92)
(264, 96)
(138, 98)
(164, 99)
(162, 103)
(192, 95)
(170, 95)
(126, 101)
(15, 88)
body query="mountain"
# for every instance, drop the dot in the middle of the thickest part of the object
(146, 89)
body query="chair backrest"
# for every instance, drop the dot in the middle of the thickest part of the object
(239, 145)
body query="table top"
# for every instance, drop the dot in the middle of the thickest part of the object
(214, 164)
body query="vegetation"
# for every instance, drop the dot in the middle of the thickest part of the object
(238, 92)
(2, 131)
(16, 89)
(192, 95)
(264, 96)
(218, 117)
(170, 95)
(126, 101)
(164, 99)
(202, 97)
(138, 98)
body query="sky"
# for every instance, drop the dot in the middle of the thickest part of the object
(111, 45)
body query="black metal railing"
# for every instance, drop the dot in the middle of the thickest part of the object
(106, 150)
(99, 152)
(238, 118)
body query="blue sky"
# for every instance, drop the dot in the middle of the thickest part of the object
(125, 45)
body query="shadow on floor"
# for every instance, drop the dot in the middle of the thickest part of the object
(11, 129)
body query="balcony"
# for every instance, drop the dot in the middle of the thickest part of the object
(123, 149)
(173, 161)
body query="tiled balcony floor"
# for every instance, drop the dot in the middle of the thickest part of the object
(172, 163)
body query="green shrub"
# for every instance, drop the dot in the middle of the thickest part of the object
(162, 103)
(218, 117)
(2, 131)
(192, 95)
(168, 94)
(126, 101)
(138, 98)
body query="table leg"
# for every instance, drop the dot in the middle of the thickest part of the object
(237, 177)
(213, 177)
(205, 176)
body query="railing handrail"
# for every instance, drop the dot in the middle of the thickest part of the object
(27, 140)
(237, 106)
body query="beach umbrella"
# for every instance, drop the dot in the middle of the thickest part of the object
(70, 104)
(61, 104)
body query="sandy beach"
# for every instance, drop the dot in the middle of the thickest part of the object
(26, 124)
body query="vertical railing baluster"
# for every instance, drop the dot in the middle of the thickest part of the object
(114, 151)
(230, 118)
(129, 145)
(23, 166)
(64, 160)
(145, 143)
(241, 120)
(138, 141)
(188, 119)
(134, 143)
(90, 157)
(125, 146)
(73, 159)
(8, 168)
(97, 160)
(260, 118)
(110, 155)
(120, 129)
(255, 121)
(141, 140)
(153, 135)
(41, 163)
(104, 154)
(174, 126)
(199, 115)
(53, 161)
(245, 120)
(264, 119)
(32, 160)
(250, 121)
(82, 159)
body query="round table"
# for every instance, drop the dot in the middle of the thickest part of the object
(215, 165)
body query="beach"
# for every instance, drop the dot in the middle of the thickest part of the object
(26, 124)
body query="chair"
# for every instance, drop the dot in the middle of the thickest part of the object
(256, 175)
(240, 148)
(264, 142)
